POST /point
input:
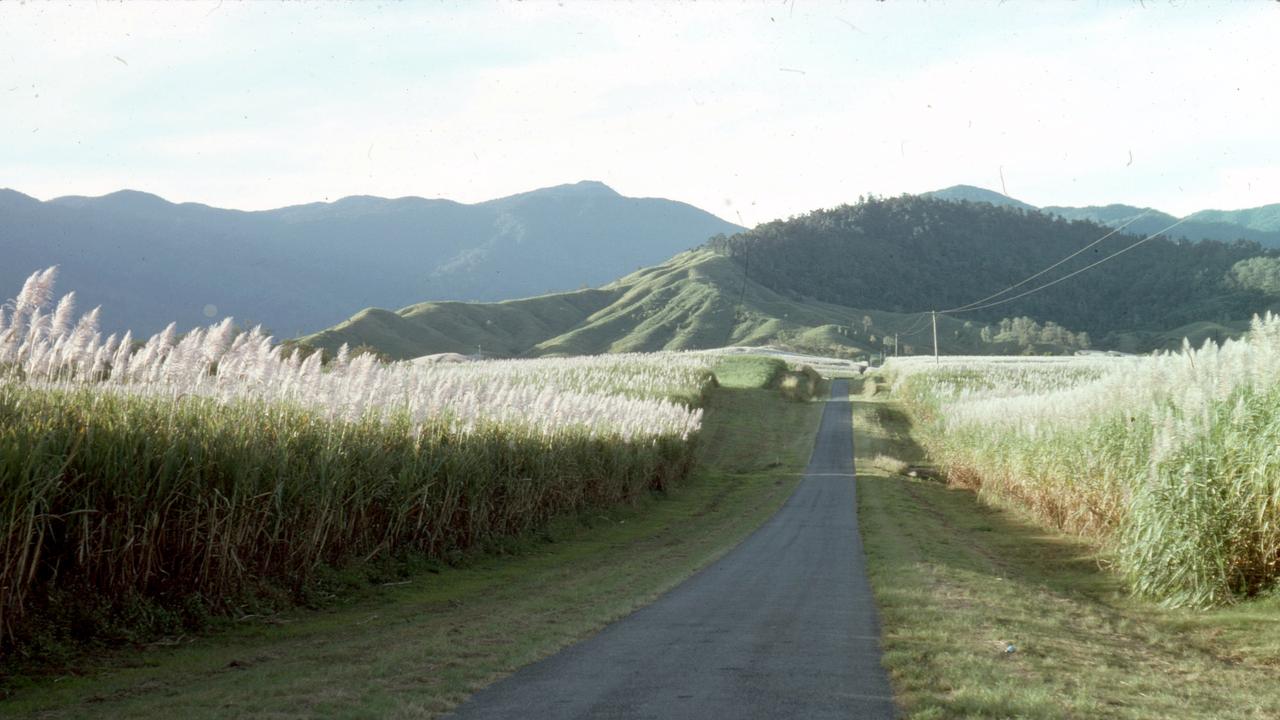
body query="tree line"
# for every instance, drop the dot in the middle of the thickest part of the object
(914, 253)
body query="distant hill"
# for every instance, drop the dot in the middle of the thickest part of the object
(970, 193)
(1260, 225)
(916, 253)
(1139, 224)
(148, 261)
(698, 299)
(1263, 219)
(1197, 226)
(809, 283)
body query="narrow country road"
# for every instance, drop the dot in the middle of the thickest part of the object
(783, 626)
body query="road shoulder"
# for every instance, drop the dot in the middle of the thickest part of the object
(986, 615)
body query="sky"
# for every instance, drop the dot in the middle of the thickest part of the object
(753, 111)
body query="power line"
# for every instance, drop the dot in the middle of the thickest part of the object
(1068, 275)
(922, 322)
(918, 326)
(1024, 281)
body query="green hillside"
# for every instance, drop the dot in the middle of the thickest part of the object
(807, 284)
(301, 268)
(688, 302)
(914, 253)
(1265, 218)
(1260, 224)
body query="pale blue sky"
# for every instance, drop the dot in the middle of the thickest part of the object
(750, 110)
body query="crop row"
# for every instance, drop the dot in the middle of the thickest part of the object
(189, 471)
(1171, 461)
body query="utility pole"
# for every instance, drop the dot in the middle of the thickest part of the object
(895, 344)
(935, 337)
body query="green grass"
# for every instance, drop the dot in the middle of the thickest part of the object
(748, 371)
(696, 300)
(417, 648)
(504, 329)
(958, 581)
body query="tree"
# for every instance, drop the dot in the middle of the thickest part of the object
(1257, 273)
(914, 253)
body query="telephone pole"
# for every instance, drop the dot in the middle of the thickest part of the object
(935, 337)
(895, 344)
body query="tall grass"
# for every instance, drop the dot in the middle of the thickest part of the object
(1172, 461)
(201, 467)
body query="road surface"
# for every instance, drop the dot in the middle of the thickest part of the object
(783, 626)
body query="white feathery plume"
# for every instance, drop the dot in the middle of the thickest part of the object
(167, 337)
(37, 291)
(110, 345)
(84, 337)
(100, 358)
(37, 327)
(62, 316)
(120, 362)
(218, 340)
(615, 396)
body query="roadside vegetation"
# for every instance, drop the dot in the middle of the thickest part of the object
(988, 614)
(414, 641)
(147, 487)
(1169, 462)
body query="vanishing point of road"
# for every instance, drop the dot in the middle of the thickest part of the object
(783, 626)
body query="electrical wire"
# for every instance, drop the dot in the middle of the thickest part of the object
(1068, 275)
(1020, 283)
(918, 326)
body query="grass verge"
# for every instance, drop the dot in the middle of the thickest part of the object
(418, 647)
(959, 583)
(749, 371)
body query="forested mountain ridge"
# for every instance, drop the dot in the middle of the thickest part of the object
(1260, 224)
(917, 253)
(855, 279)
(148, 261)
(1263, 219)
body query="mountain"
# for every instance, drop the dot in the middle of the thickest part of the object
(1203, 225)
(810, 281)
(1153, 221)
(1263, 219)
(1260, 225)
(916, 253)
(970, 193)
(148, 261)
(698, 299)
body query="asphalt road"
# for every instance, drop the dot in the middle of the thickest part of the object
(783, 626)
